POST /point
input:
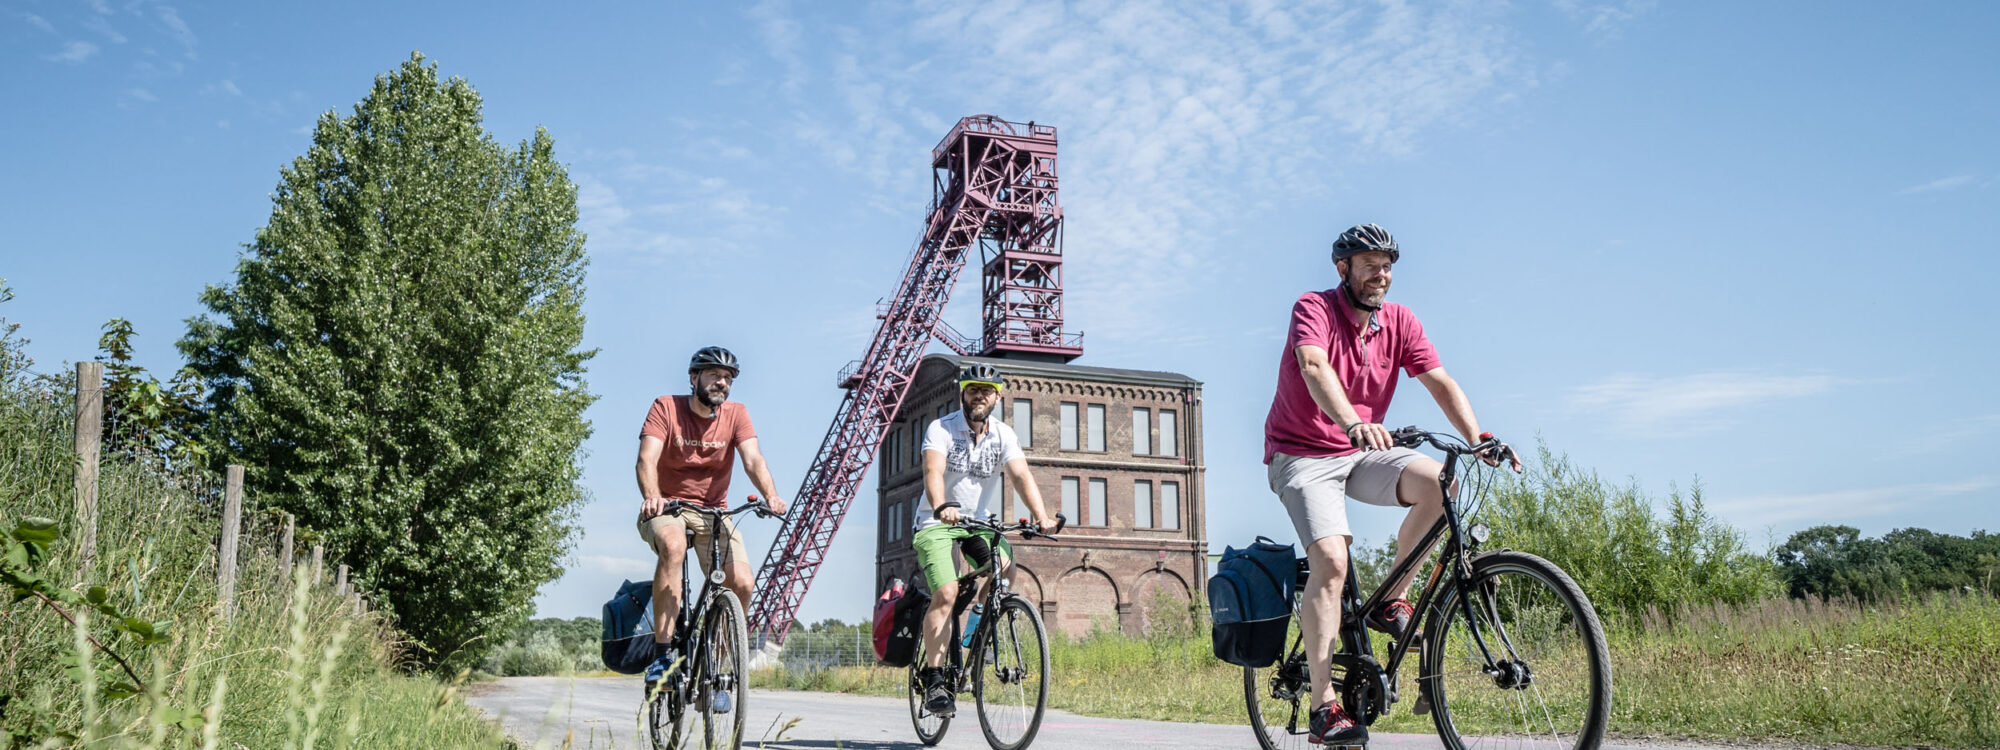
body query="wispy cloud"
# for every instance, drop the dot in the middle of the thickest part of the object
(36, 21)
(1173, 114)
(73, 53)
(1605, 21)
(1941, 184)
(1840, 506)
(177, 28)
(134, 97)
(1686, 404)
(101, 26)
(655, 214)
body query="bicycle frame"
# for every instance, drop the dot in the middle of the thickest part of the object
(1355, 647)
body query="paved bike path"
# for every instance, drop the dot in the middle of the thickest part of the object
(602, 712)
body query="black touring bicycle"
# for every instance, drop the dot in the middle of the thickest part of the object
(1510, 652)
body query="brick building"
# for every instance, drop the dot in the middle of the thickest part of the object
(1117, 452)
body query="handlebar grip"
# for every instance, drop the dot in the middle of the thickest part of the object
(1061, 522)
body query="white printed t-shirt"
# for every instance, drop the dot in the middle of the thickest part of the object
(972, 472)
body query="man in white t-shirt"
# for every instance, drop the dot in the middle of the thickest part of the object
(964, 456)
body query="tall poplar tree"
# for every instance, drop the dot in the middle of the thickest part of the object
(399, 360)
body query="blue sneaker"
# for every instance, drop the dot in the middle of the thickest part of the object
(658, 669)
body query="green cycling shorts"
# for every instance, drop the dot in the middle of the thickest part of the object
(934, 545)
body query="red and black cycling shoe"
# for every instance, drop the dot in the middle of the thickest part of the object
(1330, 725)
(1393, 617)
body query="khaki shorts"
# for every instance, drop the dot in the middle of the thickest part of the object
(656, 528)
(1314, 490)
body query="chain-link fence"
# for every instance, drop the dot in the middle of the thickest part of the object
(831, 647)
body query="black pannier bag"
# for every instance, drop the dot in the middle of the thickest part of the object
(628, 628)
(1250, 602)
(899, 624)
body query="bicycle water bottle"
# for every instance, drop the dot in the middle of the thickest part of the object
(972, 624)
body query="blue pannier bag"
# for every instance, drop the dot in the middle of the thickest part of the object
(1250, 602)
(628, 628)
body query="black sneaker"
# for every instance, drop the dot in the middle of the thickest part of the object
(1332, 726)
(1393, 617)
(938, 698)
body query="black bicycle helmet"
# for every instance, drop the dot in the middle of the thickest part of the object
(1365, 238)
(979, 373)
(714, 356)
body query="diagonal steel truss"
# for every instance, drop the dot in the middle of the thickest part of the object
(994, 187)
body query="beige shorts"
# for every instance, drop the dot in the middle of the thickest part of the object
(1314, 490)
(658, 527)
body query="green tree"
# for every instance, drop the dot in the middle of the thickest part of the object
(398, 362)
(1627, 559)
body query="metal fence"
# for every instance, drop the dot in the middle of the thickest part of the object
(843, 647)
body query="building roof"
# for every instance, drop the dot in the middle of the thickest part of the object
(1073, 372)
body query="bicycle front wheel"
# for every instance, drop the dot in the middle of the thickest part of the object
(723, 685)
(1279, 698)
(665, 714)
(1543, 678)
(1010, 675)
(930, 726)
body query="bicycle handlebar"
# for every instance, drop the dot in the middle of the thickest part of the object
(752, 503)
(1027, 528)
(1413, 436)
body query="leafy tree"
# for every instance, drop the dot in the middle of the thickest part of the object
(152, 421)
(1608, 537)
(1836, 562)
(398, 361)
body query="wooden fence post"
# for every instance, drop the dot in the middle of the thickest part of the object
(319, 570)
(340, 581)
(89, 438)
(232, 521)
(285, 551)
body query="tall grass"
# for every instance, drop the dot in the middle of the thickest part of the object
(292, 667)
(1923, 672)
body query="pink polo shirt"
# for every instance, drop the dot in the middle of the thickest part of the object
(1365, 365)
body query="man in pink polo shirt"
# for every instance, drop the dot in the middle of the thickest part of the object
(1324, 442)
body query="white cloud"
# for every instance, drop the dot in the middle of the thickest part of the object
(629, 567)
(1938, 185)
(1172, 114)
(1686, 404)
(1841, 505)
(132, 97)
(73, 53)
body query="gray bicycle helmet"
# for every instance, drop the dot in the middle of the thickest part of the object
(979, 373)
(714, 356)
(1365, 238)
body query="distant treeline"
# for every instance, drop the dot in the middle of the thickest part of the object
(1832, 562)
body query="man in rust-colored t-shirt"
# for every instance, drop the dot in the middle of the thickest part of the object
(687, 449)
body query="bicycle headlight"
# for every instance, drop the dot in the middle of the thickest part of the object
(1478, 533)
(715, 577)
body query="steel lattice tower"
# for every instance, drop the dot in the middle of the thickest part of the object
(994, 186)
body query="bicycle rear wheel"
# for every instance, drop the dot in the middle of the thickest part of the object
(1279, 699)
(1010, 677)
(1550, 686)
(722, 686)
(930, 726)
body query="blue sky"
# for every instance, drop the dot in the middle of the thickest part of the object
(1747, 243)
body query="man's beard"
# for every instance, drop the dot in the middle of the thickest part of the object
(1364, 295)
(976, 412)
(711, 399)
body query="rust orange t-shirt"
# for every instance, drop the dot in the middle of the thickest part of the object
(699, 453)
